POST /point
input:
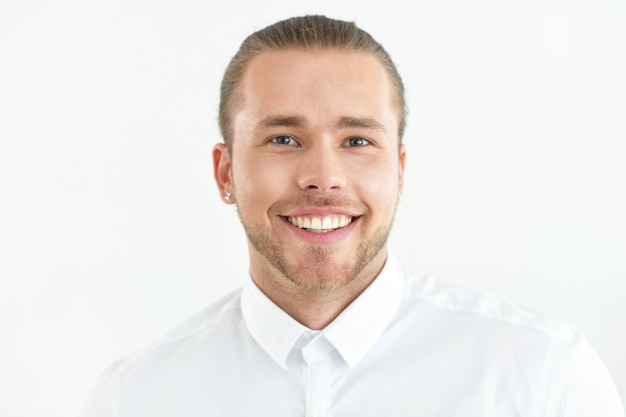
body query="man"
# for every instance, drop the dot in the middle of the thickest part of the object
(312, 114)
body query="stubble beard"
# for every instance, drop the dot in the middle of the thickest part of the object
(318, 274)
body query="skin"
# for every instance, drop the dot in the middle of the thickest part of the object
(315, 136)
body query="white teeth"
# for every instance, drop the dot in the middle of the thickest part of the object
(321, 224)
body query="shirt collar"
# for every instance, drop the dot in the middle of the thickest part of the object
(352, 333)
(362, 323)
(273, 329)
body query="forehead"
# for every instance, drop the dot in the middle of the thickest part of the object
(316, 85)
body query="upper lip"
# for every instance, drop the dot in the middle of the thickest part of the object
(320, 211)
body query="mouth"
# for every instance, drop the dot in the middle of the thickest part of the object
(321, 224)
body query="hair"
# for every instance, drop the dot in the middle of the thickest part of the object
(305, 32)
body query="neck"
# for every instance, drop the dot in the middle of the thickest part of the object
(314, 308)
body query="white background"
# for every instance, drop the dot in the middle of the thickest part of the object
(111, 229)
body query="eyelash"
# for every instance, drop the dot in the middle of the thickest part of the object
(364, 141)
(276, 139)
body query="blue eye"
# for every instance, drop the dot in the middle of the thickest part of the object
(284, 140)
(357, 142)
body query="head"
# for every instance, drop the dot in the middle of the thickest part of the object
(312, 113)
(306, 33)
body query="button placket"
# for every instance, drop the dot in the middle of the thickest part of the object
(317, 358)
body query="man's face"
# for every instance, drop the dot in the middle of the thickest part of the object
(315, 166)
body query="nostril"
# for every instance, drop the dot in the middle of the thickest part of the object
(312, 187)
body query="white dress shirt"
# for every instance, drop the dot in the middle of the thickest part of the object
(407, 346)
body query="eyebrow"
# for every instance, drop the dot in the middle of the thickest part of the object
(360, 122)
(280, 121)
(298, 121)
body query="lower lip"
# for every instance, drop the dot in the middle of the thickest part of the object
(325, 238)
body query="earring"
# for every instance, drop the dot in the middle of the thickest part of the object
(227, 196)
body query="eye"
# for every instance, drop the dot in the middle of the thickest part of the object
(285, 140)
(357, 142)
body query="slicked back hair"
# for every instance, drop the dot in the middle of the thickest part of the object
(311, 32)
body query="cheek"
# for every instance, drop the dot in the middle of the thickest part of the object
(379, 179)
(257, 184)
(378, 188)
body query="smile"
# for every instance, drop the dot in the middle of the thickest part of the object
(320, 224)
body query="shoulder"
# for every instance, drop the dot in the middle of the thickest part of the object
(224, 308)
(570, 378)
(474, 329)
(485, 308)
(223, 311)
(160, 360)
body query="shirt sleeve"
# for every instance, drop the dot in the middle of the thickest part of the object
(102, 399)
(579, 385)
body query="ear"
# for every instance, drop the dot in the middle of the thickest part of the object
(401, 165)
(222, 172)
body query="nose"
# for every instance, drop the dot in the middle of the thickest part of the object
(321, 168)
